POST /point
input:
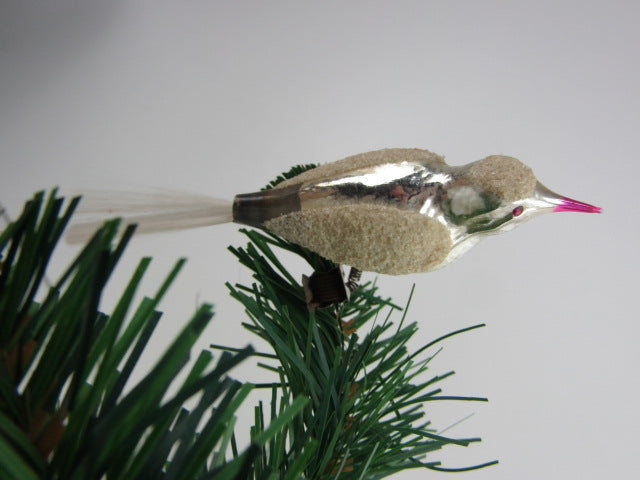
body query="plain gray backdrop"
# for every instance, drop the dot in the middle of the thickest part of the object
(219, 97)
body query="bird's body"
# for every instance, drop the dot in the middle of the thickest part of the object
(394, 211)
(397, 211)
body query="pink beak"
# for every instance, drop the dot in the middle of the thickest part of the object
(569, 205)
(558, 203)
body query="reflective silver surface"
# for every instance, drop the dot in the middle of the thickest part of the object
(454, 196)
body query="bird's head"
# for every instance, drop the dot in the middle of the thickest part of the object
(497, 193)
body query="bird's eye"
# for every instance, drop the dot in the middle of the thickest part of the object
(517, 211)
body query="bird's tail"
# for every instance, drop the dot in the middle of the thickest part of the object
(158, 211)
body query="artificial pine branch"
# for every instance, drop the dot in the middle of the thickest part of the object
(64, 412)
(365, 418)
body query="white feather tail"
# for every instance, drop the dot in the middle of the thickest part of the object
(160, 211)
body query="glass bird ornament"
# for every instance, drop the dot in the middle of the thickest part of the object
(393, 211)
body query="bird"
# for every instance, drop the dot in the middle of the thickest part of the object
(393, 211)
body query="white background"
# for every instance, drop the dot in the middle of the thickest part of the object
(219, 97)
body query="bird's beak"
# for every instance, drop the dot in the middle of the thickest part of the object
(562, 204)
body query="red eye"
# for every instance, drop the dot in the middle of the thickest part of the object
(517, 211)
